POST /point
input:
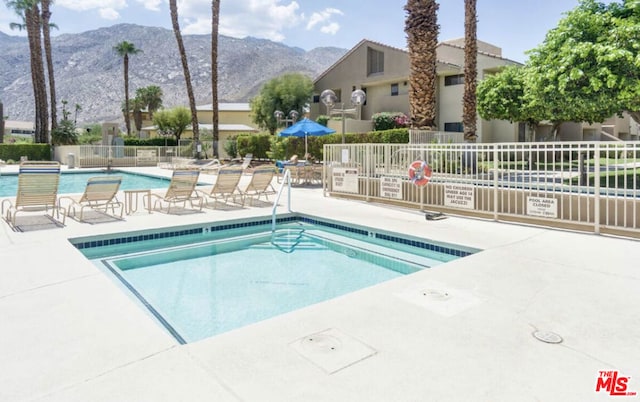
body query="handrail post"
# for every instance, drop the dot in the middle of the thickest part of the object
(596, 189)
(286, 179)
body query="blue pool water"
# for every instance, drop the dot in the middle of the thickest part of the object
(203, 281)
(76, 182)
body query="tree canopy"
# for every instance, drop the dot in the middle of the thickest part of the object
(587, 69)
(172, 121)
(287, 92)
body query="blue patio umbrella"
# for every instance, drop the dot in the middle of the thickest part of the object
(305, 128)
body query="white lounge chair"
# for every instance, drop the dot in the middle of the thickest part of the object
(181, 190)
(260, 184)
(226, 185)
(37, 191)
(100, 193)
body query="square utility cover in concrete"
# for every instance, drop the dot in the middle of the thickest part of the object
(439, 298)
(332, 350)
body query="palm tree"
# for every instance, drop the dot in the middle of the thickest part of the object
(1, 123)
(78, 109)
(215, 18)
(46, 29)
(421, 27)
(469, 112)
(124, 49)
(151, 97)
(29, 12)
(137, 104)
(185, 67)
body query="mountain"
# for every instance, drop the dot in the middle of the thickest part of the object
(89, 73)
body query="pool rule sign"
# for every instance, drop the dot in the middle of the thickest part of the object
(344, 180)
(542, 207)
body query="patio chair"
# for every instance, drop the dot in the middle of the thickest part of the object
(37, 191)
(226, 185)
(100, 193)
(182, 189)
(260, 184)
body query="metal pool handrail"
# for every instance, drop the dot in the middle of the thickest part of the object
(286, 179)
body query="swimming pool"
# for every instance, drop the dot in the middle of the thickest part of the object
(75, 182)
(204, 280)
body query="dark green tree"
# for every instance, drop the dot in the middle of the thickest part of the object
(151, 98)
(588, 67)
(173, 121)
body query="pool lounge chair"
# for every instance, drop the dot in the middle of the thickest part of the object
(37, 191)
(260, 184)
(226, 185)
(182, 189)
(99, 194)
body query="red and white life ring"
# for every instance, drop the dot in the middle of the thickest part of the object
(419, 173)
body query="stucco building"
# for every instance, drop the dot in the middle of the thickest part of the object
(382, 72)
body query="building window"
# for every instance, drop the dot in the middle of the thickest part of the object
(394, 89)
(454, 127)
(316, 98)
(453, 80)
(375, 61)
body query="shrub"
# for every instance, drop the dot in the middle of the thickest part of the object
(389, 120)
(64, 134)
(323, 119)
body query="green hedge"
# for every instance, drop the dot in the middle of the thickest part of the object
(285, 147)
(33, 152)
(153, 142)
(257, 144)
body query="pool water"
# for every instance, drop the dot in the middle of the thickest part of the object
(200, 285)
(76, 182)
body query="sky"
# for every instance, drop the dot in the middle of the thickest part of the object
(514, 25)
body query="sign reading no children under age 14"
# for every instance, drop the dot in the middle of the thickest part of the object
(459, 196)
(543, 207)
(344, 180)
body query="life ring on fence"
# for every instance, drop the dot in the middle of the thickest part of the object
(419, 173)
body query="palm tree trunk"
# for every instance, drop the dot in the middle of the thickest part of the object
(46, 15)
(185, 67)
(1, 123)
(127, 121)
(422, 29)
(215, 17)
(469, 112)
(32, 20)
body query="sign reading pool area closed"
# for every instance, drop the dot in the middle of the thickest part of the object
(216, 282)
(543, 207)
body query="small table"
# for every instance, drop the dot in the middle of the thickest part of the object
(131, 200)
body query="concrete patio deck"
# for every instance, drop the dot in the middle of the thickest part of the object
(461, 331)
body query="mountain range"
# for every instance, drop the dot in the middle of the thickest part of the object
(89, 72)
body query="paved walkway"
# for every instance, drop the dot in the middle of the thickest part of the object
(461, 331)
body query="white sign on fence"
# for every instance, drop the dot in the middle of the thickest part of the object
(459, 196)
(543, 207)
(344, 180)
(391, 187)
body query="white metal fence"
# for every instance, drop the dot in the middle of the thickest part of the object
(592, 186)
(119, 156)
(438, 137)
